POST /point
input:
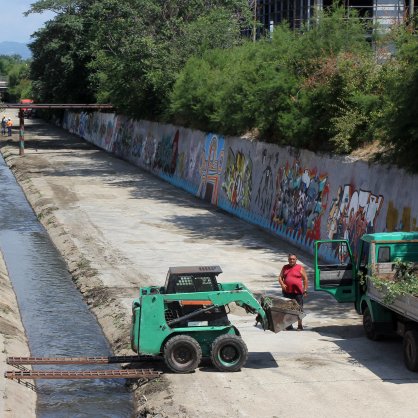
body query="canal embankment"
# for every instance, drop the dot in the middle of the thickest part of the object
(15, 400)
(102, 275)
(57, 320)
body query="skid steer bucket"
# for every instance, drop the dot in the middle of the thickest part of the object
(281, 313)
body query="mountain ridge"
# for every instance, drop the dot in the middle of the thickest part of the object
(15, 48)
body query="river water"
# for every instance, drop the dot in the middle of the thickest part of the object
(56, 319)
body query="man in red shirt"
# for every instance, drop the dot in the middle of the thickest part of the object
(294, 283)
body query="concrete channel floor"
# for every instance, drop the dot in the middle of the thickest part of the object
(132, 226)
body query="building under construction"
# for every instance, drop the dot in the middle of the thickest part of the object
(383, 13)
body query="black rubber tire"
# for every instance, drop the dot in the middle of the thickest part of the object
(369, 327)
(410, 350)
(229, 353)
(182, 354)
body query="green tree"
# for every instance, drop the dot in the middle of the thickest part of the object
(400, 120)
(17, 71)
(311, 89)
(127, 51)
(61, 53)
(142, 45)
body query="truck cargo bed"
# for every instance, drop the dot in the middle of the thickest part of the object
(406, 305)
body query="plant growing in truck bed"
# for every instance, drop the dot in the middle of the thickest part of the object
(404, 282)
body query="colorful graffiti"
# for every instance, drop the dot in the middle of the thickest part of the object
(106, 133)
(192, 160)
(211, 164)
(238, 179)
(352, 214)
(167, 153)
(122, 137)
(265, 191)
(254, 181)
(149, 150)
(300, 200)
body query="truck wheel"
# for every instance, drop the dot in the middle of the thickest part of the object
(369, 327)
(182, 354)
(229, 353)
(410, 350)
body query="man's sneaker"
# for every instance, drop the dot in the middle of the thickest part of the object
(290, 328)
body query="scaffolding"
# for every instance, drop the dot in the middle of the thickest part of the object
(381, 13)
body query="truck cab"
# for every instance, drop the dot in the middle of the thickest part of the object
(27, 112)
(343, 271)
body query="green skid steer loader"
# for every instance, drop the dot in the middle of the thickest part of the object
(187, 319)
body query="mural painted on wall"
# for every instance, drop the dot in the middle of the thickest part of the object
(211, 164)
(123, 137)
(167, 153)
(352, 214)
(300, 200)
(290, 199)
(84, 118)
(238, 179)
(137, 145)
(105, 133)
(149, 150)
(192, 162)
(404, 223)
(265, 190)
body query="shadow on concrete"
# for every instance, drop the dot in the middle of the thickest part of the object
(345, 332)
(383, 358)
(213, 224)
(261, 360)
(256, 360)
(42, 136)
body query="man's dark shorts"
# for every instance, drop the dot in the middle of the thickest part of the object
(296, 297)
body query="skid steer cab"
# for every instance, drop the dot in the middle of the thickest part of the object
(187, 319)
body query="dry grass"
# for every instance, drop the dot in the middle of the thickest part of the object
(369, 152)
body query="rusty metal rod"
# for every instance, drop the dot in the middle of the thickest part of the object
(75, 374)
(78, 360)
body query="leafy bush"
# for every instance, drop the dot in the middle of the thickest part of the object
(313, 89)
(17, 71)
(400, 119)
(405, 282)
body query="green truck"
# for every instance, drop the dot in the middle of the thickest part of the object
(345, 274)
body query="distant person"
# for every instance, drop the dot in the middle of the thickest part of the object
(9, 125)
(294, 283)
(3, 125)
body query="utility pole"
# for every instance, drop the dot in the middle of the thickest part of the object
(21, 132)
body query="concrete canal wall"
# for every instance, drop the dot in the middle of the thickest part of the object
(15, 400)
(296, 194)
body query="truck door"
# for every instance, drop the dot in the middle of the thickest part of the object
(336, 276)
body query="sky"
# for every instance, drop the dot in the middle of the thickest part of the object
(16, 27)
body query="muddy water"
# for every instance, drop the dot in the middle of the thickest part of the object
(55, 317)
